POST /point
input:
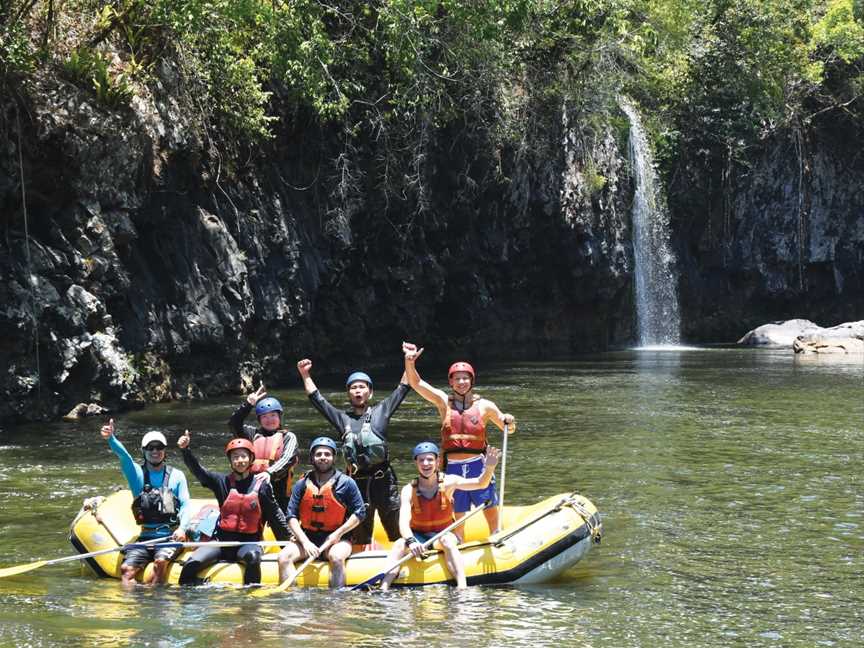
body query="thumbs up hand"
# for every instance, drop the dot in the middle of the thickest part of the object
(107, 431)
(184, 441)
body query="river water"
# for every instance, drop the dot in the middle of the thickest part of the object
(729, 482)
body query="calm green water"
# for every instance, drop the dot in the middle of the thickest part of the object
(730, 484)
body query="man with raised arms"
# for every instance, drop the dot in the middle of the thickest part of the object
(464, 416)
(160, 504)
(427, 509)
(325, 505)
(363, 430)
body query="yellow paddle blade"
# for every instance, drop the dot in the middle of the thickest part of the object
(21, 569)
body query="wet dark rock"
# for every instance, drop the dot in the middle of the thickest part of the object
(161, 268)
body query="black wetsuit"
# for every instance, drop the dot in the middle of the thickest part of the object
(249, 554)
(378, 484)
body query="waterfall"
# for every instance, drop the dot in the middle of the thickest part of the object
(657, 317)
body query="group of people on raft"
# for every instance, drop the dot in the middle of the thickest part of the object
(326, 510)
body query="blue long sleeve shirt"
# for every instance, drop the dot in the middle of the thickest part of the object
(134, 474)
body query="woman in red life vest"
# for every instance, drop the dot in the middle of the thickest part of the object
(325, 505)
(245, 504)
(464, 416)
(275, 447)
(427, 508)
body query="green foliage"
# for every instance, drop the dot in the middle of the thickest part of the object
(839, 32)
(712, 73)
(16, 52)
(87, 66)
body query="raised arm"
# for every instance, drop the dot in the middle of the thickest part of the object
(206, 478)
(435, 396)
(131, 470)
(304, 368)
(236, 422)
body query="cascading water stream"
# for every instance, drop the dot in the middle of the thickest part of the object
(657, 316)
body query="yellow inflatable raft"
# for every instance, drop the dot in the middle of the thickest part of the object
(537, 544)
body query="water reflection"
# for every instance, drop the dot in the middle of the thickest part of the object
(729, 482)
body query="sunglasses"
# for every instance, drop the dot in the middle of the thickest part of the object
(154, 448)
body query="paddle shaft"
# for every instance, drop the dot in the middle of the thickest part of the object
(214, 543)
(21, 569)
(425, 545)
(503, 478)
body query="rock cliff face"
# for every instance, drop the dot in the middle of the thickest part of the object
(151, 267)
(778, 238)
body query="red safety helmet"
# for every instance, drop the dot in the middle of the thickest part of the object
(240, 444)
(461, 366)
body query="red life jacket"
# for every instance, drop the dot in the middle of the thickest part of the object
(241, 513)
(431, 515)
(463, 431)
(319, 508)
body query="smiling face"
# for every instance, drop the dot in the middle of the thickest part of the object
(154, 453)
(271, 421)
(427, 464)
(322, 459)
(240, 460)
(359, 393)
(460, 382)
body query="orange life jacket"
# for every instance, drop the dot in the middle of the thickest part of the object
(431, 515)
(241, 513)
(319, 508)
(463, 431)
(267, 450)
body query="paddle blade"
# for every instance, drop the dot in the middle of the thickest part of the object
(21, 569)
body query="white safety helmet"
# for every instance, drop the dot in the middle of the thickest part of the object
(153, 436)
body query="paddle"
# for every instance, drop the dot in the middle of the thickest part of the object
(23, 569)
(288, 582)
(377, 577)
(503, 479)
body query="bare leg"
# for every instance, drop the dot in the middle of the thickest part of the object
(453, 558)
(287, 557)
(160, 572)
(396, 552)
(337, 554)
(491, 515)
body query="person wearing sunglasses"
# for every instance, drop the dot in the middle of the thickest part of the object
(160, 504)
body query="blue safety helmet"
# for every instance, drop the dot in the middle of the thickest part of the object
(424, 447)
(267, 405)
(327, 442)
(359, 375)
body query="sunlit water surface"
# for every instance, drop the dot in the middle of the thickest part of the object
(729, 481)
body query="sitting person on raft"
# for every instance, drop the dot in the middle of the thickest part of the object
(427, 508)
(160, 504)
(245, 503)
(325, 505)
(464, 416)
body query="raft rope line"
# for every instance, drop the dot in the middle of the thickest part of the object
(30, 277)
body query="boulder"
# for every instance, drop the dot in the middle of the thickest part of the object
(778, 334)
(82, 410)
(838, 345)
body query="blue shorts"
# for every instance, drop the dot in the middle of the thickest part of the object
(423, 537)
(471, 467)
